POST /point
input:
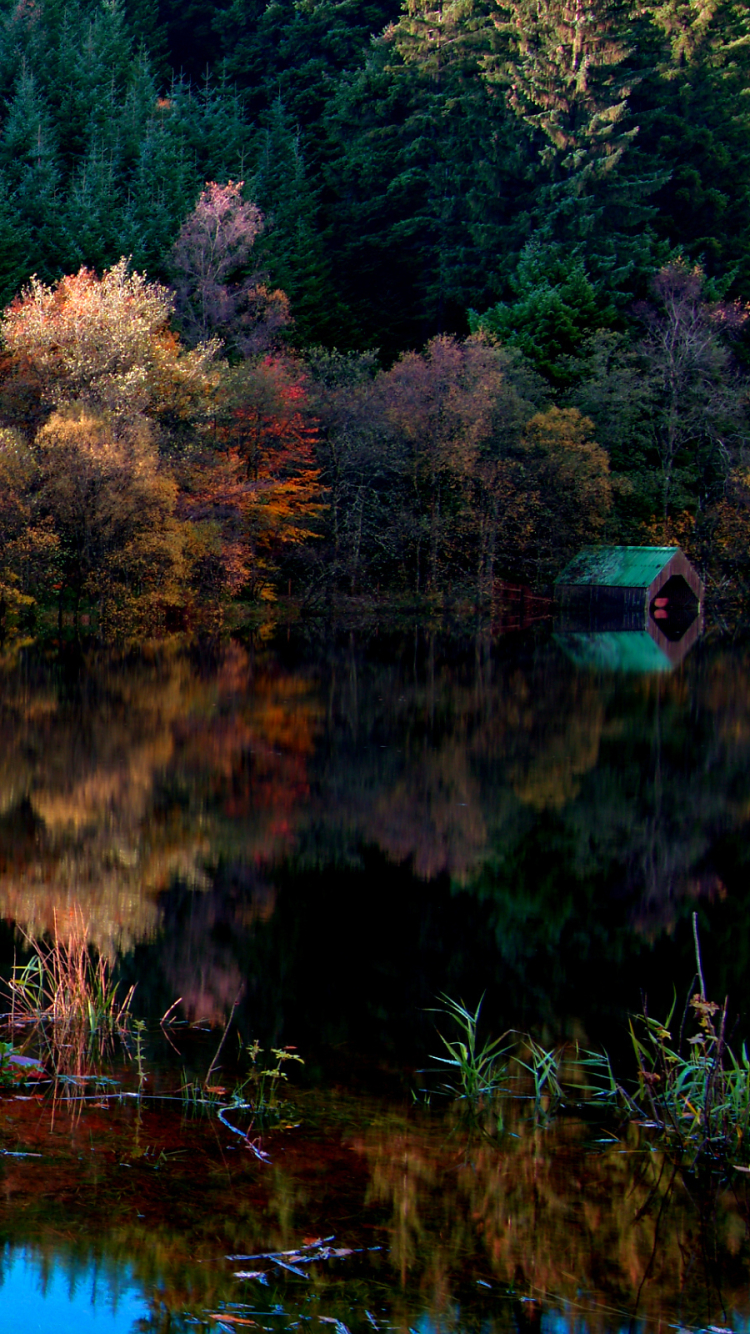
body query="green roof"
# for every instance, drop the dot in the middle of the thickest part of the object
(617, 567)
(615, 651)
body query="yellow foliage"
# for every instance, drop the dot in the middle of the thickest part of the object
(106, 342)
(113, 507)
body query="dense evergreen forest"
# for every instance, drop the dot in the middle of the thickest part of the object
(412, 297)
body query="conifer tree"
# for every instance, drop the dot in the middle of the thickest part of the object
(91, 212)
(568, 70)
(211, 120)
(429, 177)
(692, 105)
(291, 246)
(161, 192)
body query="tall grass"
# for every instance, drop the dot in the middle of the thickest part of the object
(476, 1073)
(695, 1090)
(66, 984)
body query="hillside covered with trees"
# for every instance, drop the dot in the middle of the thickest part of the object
(339, 297)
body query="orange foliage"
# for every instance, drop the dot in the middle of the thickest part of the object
(265, 423)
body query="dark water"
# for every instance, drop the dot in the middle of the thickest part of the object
(336, 825)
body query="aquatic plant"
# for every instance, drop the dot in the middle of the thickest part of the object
(693, 1090)
(699, 1098)
(478, 1073)
(544, 1065)
(261, 1086)
(258, 1091)
(67, 985)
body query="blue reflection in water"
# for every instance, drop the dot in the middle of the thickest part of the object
(38, 1297)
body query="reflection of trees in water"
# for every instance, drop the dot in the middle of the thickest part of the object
(117, 777)
(459, 758)
(594, 1232)
(545, 789)
(555, 1218)
(200, 954)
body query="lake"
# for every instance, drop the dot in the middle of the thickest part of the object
(321, 829)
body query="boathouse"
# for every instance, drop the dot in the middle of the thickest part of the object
(630, 586)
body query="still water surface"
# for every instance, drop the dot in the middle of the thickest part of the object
(339, 825)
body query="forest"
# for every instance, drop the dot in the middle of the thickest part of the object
(332, 298)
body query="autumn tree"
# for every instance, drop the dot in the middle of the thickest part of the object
(113, 511)
(670, 406)
(421, 466)
(696, 407)
(217, 292)
(438, 406)
(567, 489)
(356, 475)
(267, 431)
(29, 545)
(103, 342)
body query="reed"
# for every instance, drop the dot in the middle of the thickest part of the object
(477, 1073)
(67, 985)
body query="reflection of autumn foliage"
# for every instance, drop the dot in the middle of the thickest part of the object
(86, 812)
(433, 814)
(128, 772)
(591, 1232)
(453, 762)
(544, 1214)
(569, 748)
(254, 759)
(199, 967)
(462, 750)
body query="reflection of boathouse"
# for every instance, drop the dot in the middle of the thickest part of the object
(637, 608)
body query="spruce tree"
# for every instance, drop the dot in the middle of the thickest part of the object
(693, 108)
(568, 70)
(429, 177)
(161, 191)
(91, 213)
(291, 247)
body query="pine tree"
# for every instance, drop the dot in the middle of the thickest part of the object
(693, 109)
(291, 247)
(298, 52)
(429, 177)
(555, 307)
(91, 212)
(84, 75)
(162, 189)
(212, 122)
(29, 165)
(568, 71)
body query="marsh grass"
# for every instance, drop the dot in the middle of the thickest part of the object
(692, 1087)
(474, 1073)
(64, 996)
(695, 1089)
(65, 984)
(544, 1066)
